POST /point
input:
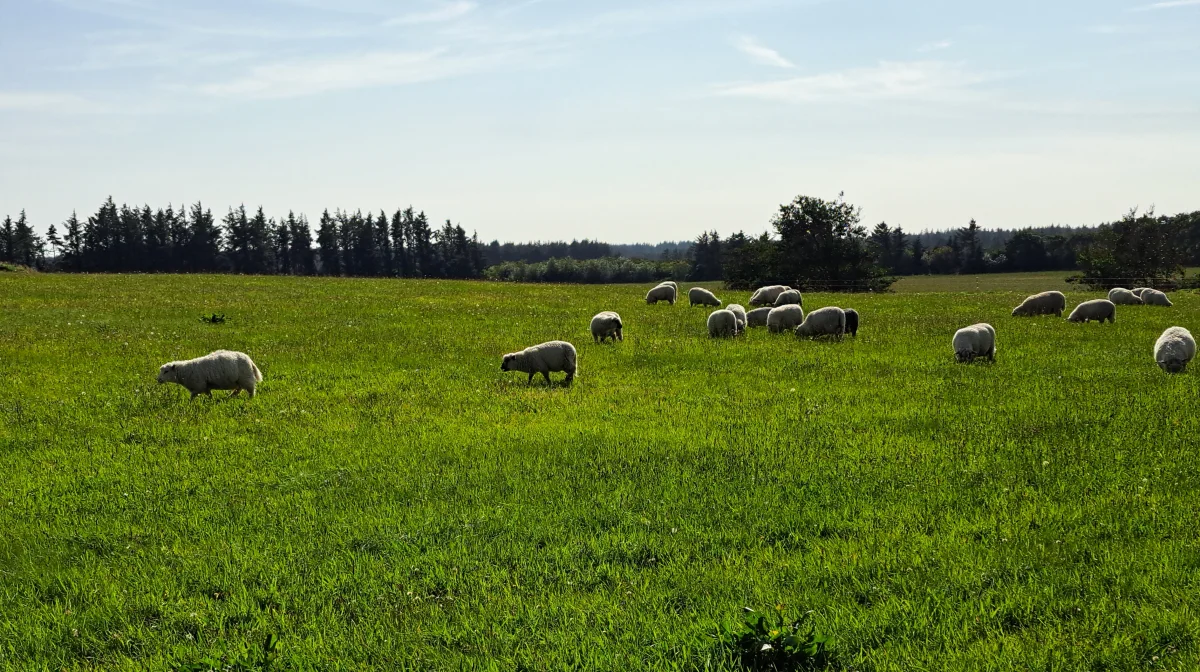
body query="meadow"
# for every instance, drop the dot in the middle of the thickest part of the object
(392, 500)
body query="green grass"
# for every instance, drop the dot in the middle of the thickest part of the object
(392, 500)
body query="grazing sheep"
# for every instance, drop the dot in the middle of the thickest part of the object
(663, 292)
(977, 340)
(1153, 297)
(1138, 291)
(784, 318)
(671, 283)
(607, 325)
(1123, 297)
(789, 297)
(220, 370)
(544, 358)
(722, 323)
(699, 296)
(852, 322)
(1174, 349)
(1045, 303)
(1096, 309)
(738, 310)
(827, 321)
(765, 296)
(758, 317)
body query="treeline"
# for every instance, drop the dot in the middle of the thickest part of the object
(1142, 250)
(141, 240)
(581, 250)
(589, 271)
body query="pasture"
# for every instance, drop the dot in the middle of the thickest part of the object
(392, 500)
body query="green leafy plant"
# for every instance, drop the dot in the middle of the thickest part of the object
(769, 642)
(213, 319)
(255, 661)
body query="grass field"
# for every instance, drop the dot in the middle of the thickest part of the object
(392, 500)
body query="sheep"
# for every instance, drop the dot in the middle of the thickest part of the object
(739, 311)
(784, 318)
(1174, 349)
(789, 297)
(852, 322)
(977, 340)
(1096, 309)
(765, 296)
(699, 296)
(663, 292)
(219, 370)
(758, 317)
(1041, 304)
(671, 283)
(1123, 297)
(1138, 291)
(1153, 297)
(827, 321)
(607, 325)
(722, 323)
(544, 358)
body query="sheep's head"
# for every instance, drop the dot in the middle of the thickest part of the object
(166, 373)
(1017, 312)
(506, 363)
(1173, 365)
(964, 356)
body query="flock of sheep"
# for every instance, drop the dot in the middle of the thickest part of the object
(1172, 351)
(781, 309)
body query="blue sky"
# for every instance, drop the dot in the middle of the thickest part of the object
(619, 120)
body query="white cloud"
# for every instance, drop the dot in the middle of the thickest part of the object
(365, 70)
(761, 53)
(1167, 5)
(894, 80)
(935, 46)
(447, 12)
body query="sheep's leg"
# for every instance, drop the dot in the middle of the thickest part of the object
(235, 391)
(531, 373)
(208, 393)
(195, 394)
(546, 375)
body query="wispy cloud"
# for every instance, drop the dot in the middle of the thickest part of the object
(366, 70)
(37, 101)
(447, 12)
(935, 46)
(1168, 4)
(760, 53)
(930, 80)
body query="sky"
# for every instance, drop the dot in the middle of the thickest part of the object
(618, 120)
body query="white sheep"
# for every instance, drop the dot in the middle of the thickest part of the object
(664, 292)
(1096, 309)
(1045, 303)
(784, 318)
(1153, 297)
(977, 340)
(1123, 297)
(1138, 291)
(765, 296)
(758, 317)
(722, 323)
(827, 321)
(739, 311)
(544, 358)
(789, 297)
(607, 325)
(699, 296)
(1174, 349)
(220, 370)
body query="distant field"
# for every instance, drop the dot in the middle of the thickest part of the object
(1029, 283)
(392, 500)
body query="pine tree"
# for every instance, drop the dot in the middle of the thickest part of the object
(55, 245)
(401, 239)
(301, 245)
(204, 241)
(383, 243)
(283, 245)
(328, 237)
(7, 240)
(25, 242)
(72, 244)
(260, 250)
(423, 252)
(130, 253)
(179, 233)
(158, 239)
